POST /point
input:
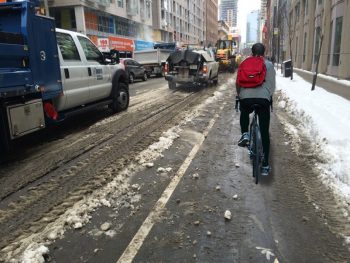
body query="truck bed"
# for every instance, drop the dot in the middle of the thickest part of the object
(152, 56)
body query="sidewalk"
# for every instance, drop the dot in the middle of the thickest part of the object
(339, 87)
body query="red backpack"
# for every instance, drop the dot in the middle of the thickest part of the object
(251, 72)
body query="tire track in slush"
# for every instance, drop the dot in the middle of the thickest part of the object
(32, 169)
(85, 173)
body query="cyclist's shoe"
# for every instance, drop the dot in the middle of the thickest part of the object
(243, 142)
(265, 170)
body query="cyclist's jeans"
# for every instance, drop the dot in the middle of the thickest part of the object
(264, 121)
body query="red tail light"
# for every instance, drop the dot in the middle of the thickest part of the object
(205, 68)
(50, 110)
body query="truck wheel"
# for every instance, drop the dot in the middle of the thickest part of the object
(131, 78)
(120, 98)
(4, 137)
(144, 76)
(172, 84)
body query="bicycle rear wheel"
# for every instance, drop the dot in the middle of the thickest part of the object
(257, 148)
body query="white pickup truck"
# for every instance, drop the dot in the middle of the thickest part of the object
(88, 77)
(191, 66)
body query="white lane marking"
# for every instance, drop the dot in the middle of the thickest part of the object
(136, 243)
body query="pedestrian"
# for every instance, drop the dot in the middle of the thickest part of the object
(273, 60)
(256, 89)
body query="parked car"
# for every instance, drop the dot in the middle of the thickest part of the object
(191, 66)
(134, 69)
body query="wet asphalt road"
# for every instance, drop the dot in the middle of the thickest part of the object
(275, 221)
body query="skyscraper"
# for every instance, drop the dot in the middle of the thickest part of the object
(253, 27)
(228, 12)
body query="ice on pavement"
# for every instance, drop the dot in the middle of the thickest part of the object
(325, 118)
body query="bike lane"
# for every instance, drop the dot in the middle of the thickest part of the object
(271, 222)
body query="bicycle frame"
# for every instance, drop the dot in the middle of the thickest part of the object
(255, 146)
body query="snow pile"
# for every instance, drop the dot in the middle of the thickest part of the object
(325, 119)
(35, 254)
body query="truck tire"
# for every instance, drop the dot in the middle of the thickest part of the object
(4, 137)
(131, 78)
(120, 97)
(216, 79)
(144, 76)
(172, 84)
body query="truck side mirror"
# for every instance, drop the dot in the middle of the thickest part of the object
(115, 56)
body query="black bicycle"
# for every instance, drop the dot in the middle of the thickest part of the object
(255, 147)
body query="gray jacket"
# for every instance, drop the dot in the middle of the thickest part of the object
(266, 90)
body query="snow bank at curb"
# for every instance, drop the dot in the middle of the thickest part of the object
(325, 119)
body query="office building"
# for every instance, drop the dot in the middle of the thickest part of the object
(253, 27)
(119, 23)
(211, 18)
(228, 12)
(182, 21)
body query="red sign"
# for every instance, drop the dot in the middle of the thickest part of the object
(103, 44)
(121, 44)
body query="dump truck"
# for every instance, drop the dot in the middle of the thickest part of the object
(154, 60)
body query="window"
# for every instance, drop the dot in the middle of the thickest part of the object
(337, 40)
(304, 49)
(121, 3)
(90, 50)
(106, 24)
(317, 43)
(320, 2)
(67, 47)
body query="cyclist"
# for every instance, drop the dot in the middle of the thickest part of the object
(261, 95)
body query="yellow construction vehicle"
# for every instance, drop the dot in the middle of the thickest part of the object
(225, 55)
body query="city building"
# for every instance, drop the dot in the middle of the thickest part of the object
(223, 29)
(228, 12)
(211, 18)
(236, 37)
(313, 19)
(275, 28)
(116, 24)
(182, 21)
(263, 21)
(253, 27)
